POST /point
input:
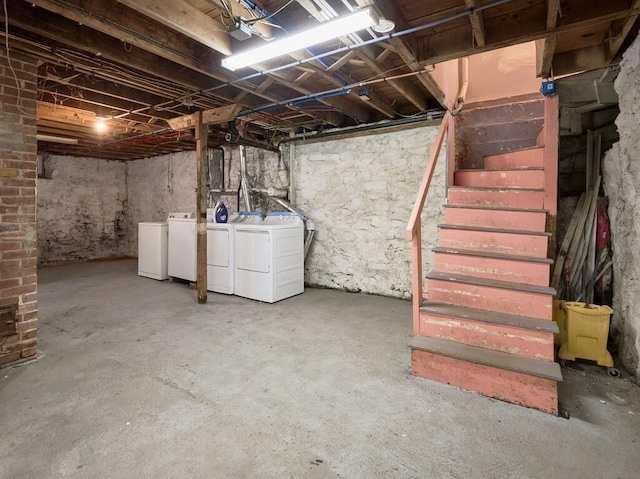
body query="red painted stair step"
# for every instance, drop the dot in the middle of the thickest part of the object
(494, 240)
(510, 219)
(496, 197)
(503, 267)
(491, 295)
(498, 337)
(532, 157)
(518, 178)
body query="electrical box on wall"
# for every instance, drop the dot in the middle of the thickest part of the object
(240, 30)
(548, 88)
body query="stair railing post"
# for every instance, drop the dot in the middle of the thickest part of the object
(414, 227)
(416, 261)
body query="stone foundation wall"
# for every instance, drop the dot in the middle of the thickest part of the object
(622, 185)
(360, 191)
(82, 208)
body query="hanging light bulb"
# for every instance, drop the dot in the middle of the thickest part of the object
(100, 125)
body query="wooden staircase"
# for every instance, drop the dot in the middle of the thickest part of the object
(486, 324)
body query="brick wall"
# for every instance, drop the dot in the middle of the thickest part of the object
(18, 149)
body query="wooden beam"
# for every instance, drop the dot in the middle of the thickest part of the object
(123, 27)
(356, 110)
(406, 51)
(239, 10)
(260, 89)
(477, 22)
(546, 47)
(185, 19)
(404, 88)
(386, 53)
(618, 32)
(502, 31)
(213, 116)
(342, 61)
(375, 101)
(104, 93)
(553, 10)
(587, 58)
(202, 168)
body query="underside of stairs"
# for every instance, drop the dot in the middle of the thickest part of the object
(486, 324)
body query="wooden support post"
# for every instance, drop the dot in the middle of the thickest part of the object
(201, 133)
(451, 153)
(200, 122)
(551, 133)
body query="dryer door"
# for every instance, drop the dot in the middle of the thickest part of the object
(218, 247)
(253, 250)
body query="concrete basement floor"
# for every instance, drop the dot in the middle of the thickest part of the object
(139, 381)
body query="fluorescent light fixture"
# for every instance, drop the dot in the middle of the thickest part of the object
(339, 27)
(57, 139)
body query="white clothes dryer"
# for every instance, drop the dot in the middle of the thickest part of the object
(269, 258)
(220, 251)
(182, 261)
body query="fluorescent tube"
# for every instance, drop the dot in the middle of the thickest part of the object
(339, 27)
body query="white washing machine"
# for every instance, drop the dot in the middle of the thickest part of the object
(269, 258)
(152, 250)
(182, 246)
(220, 251)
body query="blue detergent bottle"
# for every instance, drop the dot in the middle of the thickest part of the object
(221, 213)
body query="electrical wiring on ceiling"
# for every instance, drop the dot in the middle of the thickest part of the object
(271, 15)
(10, 62)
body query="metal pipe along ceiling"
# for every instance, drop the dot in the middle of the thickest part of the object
(336, 51)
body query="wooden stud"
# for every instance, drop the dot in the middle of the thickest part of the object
(590, 263)
(566, 243)
(477, 22)
(551, 134)
(597, 154)
(578, 252)
(589, 170)
(201, 133)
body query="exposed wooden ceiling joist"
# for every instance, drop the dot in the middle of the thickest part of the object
(239, 10)
(546, 47)
(507, 29)
(189, 21)
(477, 22)
(400, 45)
(148, 61)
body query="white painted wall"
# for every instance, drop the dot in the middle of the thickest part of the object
(81, 209)
(162, 184)
(622, 186)
(157, 186)
(360, 191)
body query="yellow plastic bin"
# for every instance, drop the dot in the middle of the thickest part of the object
(560, 318)
(587, 330)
